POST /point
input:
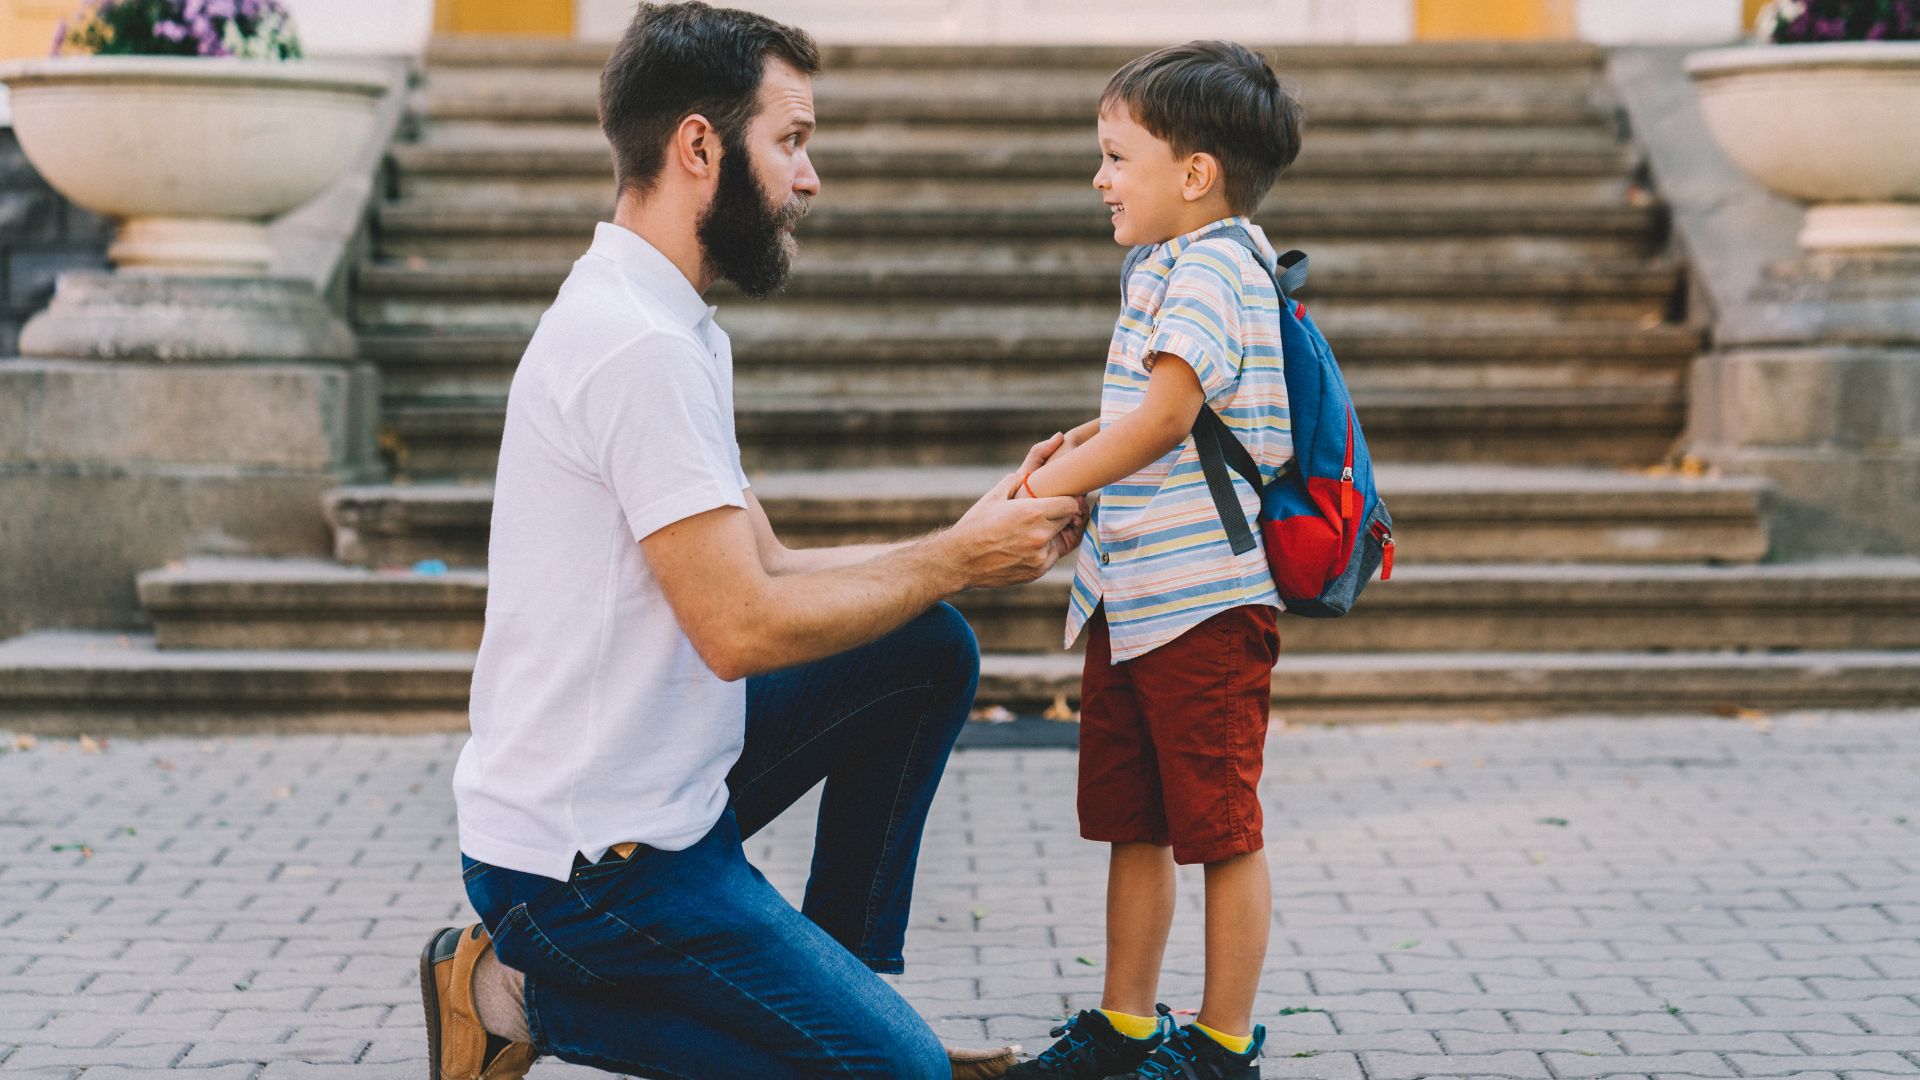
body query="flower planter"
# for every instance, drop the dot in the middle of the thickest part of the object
(1836, 126)
(193, 155)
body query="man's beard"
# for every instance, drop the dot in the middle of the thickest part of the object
(744, 238)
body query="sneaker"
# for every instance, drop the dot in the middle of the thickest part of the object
(1090, 1049)
(458, 1048)
(1188, 1054)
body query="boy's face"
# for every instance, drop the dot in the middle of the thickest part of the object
(1144, 185)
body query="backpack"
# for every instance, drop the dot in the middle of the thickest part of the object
(1325, 526)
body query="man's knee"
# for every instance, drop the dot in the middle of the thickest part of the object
(943, 637)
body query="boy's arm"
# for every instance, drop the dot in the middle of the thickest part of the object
(1164, 418)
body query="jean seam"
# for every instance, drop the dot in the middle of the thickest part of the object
(872, 916)
(715, 974)
(543, 941)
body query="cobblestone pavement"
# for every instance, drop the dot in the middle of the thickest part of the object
(1585, 898)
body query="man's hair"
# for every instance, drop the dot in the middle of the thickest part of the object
(1219, 98)
(676, 60)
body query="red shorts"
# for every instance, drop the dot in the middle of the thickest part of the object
(1171, 742)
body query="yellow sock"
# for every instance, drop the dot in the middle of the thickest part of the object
(1236, 1043)
(1133, 1027)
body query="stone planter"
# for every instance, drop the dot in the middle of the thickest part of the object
(192, 155)
(1836, 126)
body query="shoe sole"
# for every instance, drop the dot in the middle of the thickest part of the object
(430, 998)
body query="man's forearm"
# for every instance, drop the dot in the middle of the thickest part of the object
(814, 560)
(813, 614)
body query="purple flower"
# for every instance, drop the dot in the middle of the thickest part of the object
(59, 36)
(170, 30)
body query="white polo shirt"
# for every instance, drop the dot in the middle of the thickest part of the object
(594, 719)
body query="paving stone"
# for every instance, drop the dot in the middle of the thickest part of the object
(1478, 970)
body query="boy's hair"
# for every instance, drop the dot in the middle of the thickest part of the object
(679, 59)
(1219, 98)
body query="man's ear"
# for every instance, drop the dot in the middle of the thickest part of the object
(696, 146)
(1203, 175)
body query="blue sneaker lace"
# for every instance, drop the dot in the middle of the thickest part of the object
(1165, 1062)
(1073, 1048)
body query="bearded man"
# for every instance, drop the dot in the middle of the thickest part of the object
(660, 676)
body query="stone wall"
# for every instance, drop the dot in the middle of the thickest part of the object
(41, 235)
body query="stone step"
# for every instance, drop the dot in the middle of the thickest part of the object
(1466, 60)
(872, 354)
(1609, 425)
(1484, 514)
(105, 684)
(467, 293)
(563, 229)
(1841, 604)
(489, 161)
(1043, 97)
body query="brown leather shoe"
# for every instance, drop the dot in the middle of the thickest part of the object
(456, 1043)
(980, 1064)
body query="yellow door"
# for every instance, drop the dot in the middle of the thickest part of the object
(526, 18)
(1493, 20)
(26, 26)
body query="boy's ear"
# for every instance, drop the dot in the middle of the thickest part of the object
(1203, 176)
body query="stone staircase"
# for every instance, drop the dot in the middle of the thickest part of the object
(1488, 264)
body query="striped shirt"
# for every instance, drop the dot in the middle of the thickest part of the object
(1157, 554)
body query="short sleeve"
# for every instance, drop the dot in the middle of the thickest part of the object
(1199, 319)
(650, 419)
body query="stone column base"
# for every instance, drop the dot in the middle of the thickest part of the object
(174, 319)
(110, 468)
(1836, 428)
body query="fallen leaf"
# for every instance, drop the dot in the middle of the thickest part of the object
(1560, 821)
(164, 765)
(993, 714)
(1537, 857)
(978, 915)
(25, 742)
(283, 793)
(1431, 763)
(91, 745)
(1083, 960)
(1291, 1010)
(1408, 944)
(1059, 710)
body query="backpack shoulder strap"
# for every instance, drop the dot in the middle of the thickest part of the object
(1219, 449)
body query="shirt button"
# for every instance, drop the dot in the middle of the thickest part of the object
(1103, 558)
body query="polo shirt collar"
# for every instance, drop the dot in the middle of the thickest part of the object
(1178, 244)
(646, 267)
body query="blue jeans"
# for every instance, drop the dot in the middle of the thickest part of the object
(688, 963)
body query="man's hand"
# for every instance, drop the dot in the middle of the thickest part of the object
(1008, 541)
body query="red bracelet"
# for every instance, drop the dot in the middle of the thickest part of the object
(1028, 488)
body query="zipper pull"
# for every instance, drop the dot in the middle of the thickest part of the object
(1346, 493)
(1386, 562)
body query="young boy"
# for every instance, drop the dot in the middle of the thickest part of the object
(1182, 636)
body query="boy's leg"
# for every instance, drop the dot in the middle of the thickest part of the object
(1140, 892)
(877, 723)
(689, 964)
(1207, 697)
(1239, 914)
(1119, 803)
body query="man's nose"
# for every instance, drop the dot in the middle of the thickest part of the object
(806, 181)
